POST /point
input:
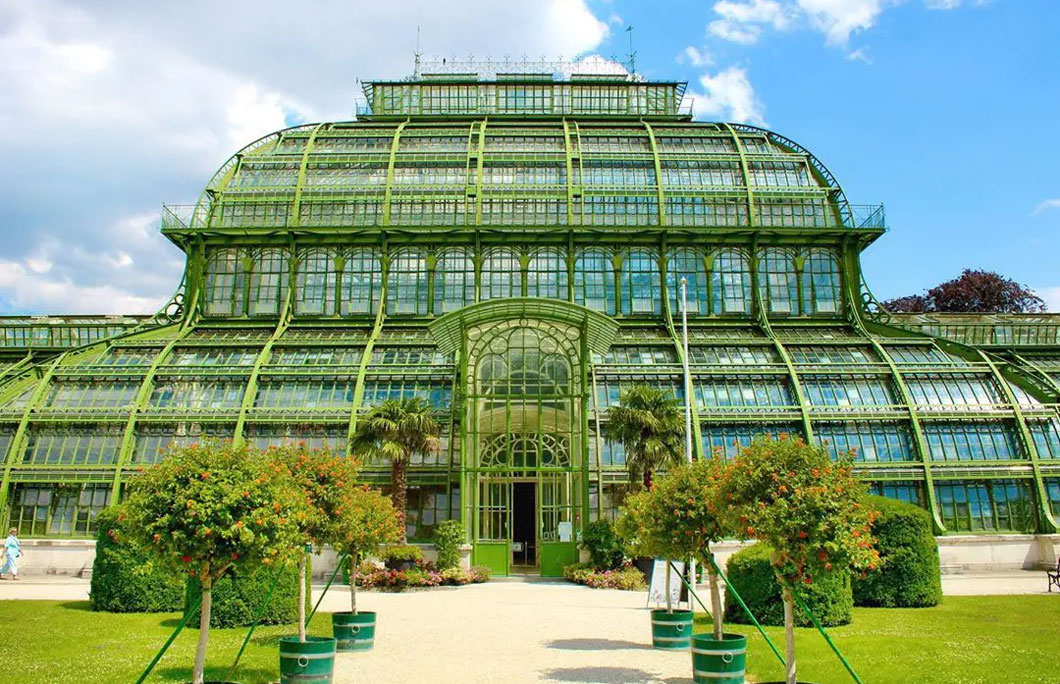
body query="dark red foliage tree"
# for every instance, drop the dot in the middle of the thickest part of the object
(974, 291)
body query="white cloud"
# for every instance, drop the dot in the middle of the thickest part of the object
(111, 110)
(859, 55)
(741, 22)
(1047, 205)
(1051, 297)
(695, 56)
(943, 4)
(839, 19)
(728, 96)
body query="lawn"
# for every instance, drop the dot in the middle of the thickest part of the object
(966, 640)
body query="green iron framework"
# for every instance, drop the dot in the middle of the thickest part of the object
(510, 249)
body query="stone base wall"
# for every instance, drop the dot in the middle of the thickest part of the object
(958, 554)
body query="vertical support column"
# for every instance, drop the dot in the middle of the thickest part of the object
(660, 193)
(295, 219)
(251, 390)
(752, 215)
(679, 347)
(388, 192)
(583, 421)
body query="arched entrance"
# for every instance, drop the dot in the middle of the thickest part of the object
(523, 427)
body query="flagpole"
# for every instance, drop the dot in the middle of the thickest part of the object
(688, 406)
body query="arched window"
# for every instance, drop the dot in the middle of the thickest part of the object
(268, 282)
(315, 279)
(362, 280)
(406, 283)
(594, 280)
(546, 274)
(502, 275)
(224, 280)
(640, 282)
(454, 280)
(685, 262)
(731, 280)
(778, 281)
(820, 282)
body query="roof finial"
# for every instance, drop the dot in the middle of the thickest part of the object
(416, 67)
(632, 53)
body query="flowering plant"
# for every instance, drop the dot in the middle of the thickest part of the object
(809, 509)
(364, 520)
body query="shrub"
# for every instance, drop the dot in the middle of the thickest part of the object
(364, 520)
(605, 549)
(455, 577)
(908, 576)
(126, 579)
(448, 538)
(394, 556)
(239, 595)
(626, 578)
(751, 573)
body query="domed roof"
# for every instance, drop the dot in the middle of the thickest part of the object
(547, 172)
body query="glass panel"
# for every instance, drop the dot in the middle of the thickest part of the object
(501, 275)
(454, 280)
(268, 282)
(820, 282)
(640, 283)
(688, 263)
(972, 441)
(407, 283)
(594, 280)
(778, 280)
(546, 274)
(867, 441)
(223, 283)
(731, 278)
(362, 280)
(315, 282)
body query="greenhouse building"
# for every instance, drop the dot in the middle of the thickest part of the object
(509, 246)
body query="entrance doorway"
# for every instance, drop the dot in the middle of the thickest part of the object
(524, 526)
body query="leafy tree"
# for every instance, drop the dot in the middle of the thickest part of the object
(974, 291)
(808, 509)
(689, 517)
(648, 423)
(364, 520)
(396, 430)
(604, 546)
(324, 479)
(208, 507)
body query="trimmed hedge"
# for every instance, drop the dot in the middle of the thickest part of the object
(908, 576)
(749, 571)
(238, 596)
(125, 580)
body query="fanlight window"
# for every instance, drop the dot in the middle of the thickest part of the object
(525, 450)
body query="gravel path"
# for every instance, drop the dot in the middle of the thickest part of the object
(510, 632)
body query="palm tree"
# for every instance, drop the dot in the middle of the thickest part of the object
(396, 430)
(649, 424)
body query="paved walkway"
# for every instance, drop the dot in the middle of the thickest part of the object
(511, 632)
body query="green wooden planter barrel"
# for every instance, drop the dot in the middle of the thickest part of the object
(717, 661)
(671, 630)
(312, 662)
(354, 632)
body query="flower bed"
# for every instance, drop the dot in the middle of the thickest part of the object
(626, 578)
(370, 576)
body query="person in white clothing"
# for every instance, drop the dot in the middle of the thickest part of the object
(12, 552)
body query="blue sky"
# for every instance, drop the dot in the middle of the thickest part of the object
(942, 109)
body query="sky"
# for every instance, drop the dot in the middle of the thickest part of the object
(943, 110)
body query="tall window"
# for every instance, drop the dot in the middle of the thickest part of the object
(594, 280)
(972, 441)
(685, 262)
(778, 281)
(502, 275)
(546, 274)
(988, 505)
(454, 280)
(268, 282)
(406, 291)
(820, 283)
(361, 282)
(224, 283)
(640, 282)
(732, 282)
(315, 280)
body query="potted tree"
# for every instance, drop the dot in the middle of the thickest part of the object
(808, 509)
(395, 431)
(324, 480)
(207, 508)
(641, 526)
(364, 520)
(690, 518)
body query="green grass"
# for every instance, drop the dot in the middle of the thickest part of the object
(964, 640)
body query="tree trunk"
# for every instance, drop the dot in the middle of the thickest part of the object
(716, 608)
(789, 635)
(353, 584)
(399, 480)
(301, 598)
(669, 601)
(204, 631)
